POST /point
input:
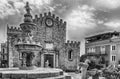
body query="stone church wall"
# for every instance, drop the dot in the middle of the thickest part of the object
(12, 36)
(70, 64)
(55, 33)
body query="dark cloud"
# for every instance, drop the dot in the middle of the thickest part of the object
(102, 15)
(64, 7)
(11, 3)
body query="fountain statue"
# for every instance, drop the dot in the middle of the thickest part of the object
(27, 8)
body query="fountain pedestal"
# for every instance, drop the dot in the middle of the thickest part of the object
(27, 55)
(26, 61)
(27, 69)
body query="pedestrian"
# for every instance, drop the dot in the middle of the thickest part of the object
(84, 67)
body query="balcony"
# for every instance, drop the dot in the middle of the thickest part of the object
(96, 54)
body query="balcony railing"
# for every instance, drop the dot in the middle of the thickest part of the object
(104, 75)
(96, 54)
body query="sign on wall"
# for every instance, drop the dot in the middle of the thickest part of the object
(49, 46)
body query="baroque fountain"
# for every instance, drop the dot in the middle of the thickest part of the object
(28, 50)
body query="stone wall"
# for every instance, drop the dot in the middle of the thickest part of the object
(4, 55)
(70, 64)
(12, 36)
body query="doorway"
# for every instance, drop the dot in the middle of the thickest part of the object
(50, 59)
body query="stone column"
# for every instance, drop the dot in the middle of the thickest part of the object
(57, 60)
(32, 56)
(9, 49)
(24, 59)
(42, 60)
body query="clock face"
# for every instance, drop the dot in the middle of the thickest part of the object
(49, 22)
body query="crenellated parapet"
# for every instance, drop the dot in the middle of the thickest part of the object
(72, 43)
(51, 16)
(13, 29)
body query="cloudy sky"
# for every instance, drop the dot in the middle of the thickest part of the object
(84, 17)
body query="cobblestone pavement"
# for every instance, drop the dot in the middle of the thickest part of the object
(76, 75)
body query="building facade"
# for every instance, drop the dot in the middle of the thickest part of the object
(106, 46)
(4, 55)
(50, 33)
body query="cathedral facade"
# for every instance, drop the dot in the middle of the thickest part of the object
(48, 31)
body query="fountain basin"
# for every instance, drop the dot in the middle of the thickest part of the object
(30, 47)
(42, 73)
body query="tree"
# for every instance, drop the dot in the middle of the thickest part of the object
(82, 58)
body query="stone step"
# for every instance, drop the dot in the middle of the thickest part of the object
(60, 77)
(31, 75)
